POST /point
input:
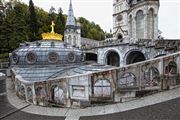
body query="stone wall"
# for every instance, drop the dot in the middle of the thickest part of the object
(2, 83)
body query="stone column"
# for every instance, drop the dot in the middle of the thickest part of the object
(133, 27)
(34, 95)
(2, 83)
(145, 26)
(155, 26)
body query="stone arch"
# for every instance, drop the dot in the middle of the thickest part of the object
(171, 68)
(139, 24)
(154, 9)
(151, 76)
(150, 23)
(29, 95)
(21, 92)
(40, 95)
(119, 36)
(127, 80)
(57, 94)
(102, 88)
(134, 56)
(112, 57)
(91, 57)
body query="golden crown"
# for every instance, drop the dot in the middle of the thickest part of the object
(52, 35)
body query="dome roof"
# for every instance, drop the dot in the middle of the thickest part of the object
(42, 53)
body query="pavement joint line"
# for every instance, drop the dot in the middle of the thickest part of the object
(17, 110)
(66, 112)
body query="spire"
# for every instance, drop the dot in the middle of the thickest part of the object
(70, 19)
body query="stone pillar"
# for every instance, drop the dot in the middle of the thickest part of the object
(34, 95)
(155, 26)
(100, 57)
(145, 26)
(133, 27)
(2, 83)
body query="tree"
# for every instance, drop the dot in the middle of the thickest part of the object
(52, 13)
(91, 30)
(20, 22)
(33, 21)
(60, 22)
(13, 30)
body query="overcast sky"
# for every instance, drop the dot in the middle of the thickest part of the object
(100, 11)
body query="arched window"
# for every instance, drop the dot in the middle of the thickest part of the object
(29, 95)
(113, 58)
(150, 24)
(41, 92)
(134, 57)
(69, 39)
(74, 40)
(151, 76)
(102, 88)
(22, 92)
(57, 95)
(119, 36)
(140, 24)
(127, 80)
(130, 26)
(171, 68)
(65, 39)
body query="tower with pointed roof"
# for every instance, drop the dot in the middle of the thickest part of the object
(72, 33)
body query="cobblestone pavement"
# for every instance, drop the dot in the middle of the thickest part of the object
(169, 110)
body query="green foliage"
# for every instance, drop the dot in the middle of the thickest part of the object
(33, 21)
(4, 55)
(60, 22)
(91, 30)
(13, 29)
(20, 23)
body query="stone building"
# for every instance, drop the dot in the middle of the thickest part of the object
(72, 33)
(52, 72)
(135, 19)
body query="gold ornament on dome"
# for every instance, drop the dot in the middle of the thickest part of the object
(52, 35)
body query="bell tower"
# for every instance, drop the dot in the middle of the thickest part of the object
(72, 33)
(120, 22)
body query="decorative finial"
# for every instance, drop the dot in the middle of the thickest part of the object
(52, 27)
(52, 35)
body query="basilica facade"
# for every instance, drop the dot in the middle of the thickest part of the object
(135, 19)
